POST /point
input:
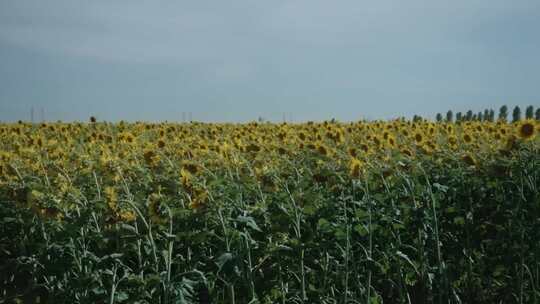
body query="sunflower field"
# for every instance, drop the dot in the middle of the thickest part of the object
(318, 212)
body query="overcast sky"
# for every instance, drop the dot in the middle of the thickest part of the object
(238, 60)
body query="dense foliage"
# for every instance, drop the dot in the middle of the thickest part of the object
(366, 212)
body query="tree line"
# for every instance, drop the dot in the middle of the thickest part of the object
(487, 115)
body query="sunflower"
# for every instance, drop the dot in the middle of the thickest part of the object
(407, 152)
(282, 151)
(452, 140)
(418, 138)
(322, 150)
(156, 208)
(199, 199)
(469, 159)
(127, 216)
(150, 157)
(253, 148)
(129, 138)
(426, 149)
(191, 167)
(185, 180)
(364, 148)
(525, 130)
(355, 167)
(353, 152)
(33, 197)
(112, 197)
(467, 138)
(391, 141)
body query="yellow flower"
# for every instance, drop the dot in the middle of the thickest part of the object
(391, 141)
(418, 138)
(355, 167)
(322, 149)
(112, 197)
(469, 159)
(199, 199)
(150, 157)
(407, 152)
(452, 140)
(33, 197)
(525, 130)
(155, 208)
(127, 216)
(191, 167)
(467, 138)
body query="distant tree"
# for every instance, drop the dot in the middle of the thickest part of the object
(469, 115)
(449, 116)
(486, 114)
(503, 113)
(529, 112)
(516, 114)
(537, 114)
(438, 117)
(491, 115)
(480, 116)
(474, 117)
(459, 116)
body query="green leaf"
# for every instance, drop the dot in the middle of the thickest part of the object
(129, 228)
(361, 214)
(459, 221)
(361, 230)
(407, 259)
(440, 187)
(9, 219)
(223, 259)
(121, 296)
(323, 225)
(249, 221)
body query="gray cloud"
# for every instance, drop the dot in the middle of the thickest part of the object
(236, 60)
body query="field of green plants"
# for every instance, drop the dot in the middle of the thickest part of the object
(364, 212)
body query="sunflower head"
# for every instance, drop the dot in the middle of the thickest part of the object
(469, 159)
(407, 152)
(526, 130)
(199, 199)
(322, 149)
(112, 197)
(127, 216)
(467, 138)
(452, 140)
(418, 138)
(391, 141)
(33, 197)
(364, 148)
(151, 157)
(191, 167)
(355, 168)
(156, 208)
